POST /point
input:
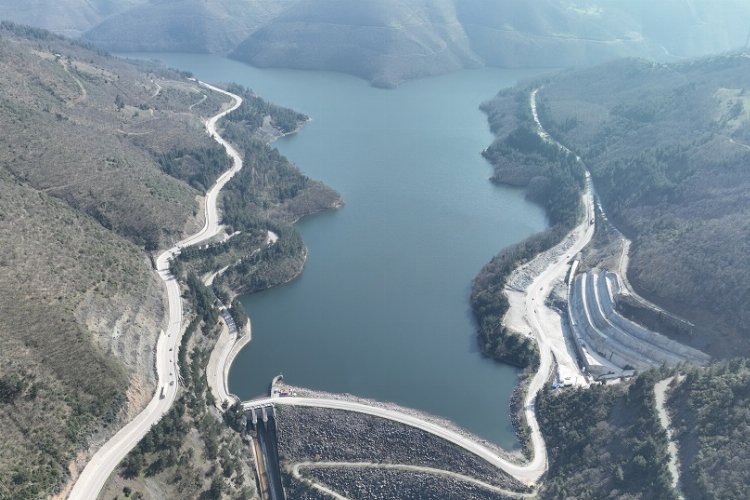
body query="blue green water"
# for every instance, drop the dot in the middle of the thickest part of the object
(382, 308)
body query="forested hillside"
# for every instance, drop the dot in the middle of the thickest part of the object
(710, 414)
(605, 442)
(668, 147)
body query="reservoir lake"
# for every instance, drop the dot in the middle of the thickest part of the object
(382, 308)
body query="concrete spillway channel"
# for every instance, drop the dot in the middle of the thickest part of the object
(262, 422)
(620, 340)
(596, 323)
(607, 287)
(586, 329)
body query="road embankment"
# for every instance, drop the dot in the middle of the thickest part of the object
(107, 458)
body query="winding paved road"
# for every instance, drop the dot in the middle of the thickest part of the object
(536, 294)
(106, 459)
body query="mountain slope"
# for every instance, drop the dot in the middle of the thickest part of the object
(81, 194)
(559, 33)
(215, 26)
(550, 33)
(668, 146)
(67, 17)
(384, 41)
(710, 415)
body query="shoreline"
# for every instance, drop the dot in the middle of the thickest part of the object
(222, 388)
(554, 265)
(223, 353)
(526, 288)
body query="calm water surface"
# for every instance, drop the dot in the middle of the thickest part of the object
(381, 310)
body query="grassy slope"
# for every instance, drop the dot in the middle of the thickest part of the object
(81, 193)
(666, 147)
(64, 378)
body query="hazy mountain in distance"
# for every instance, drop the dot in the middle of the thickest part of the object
(565, 33)
(66, 17)
(384, 41)
(387, 41)
(688, 28)
(517, 33)
(214, 26)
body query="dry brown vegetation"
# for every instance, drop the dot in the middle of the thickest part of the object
(81, 195)
(102, 163)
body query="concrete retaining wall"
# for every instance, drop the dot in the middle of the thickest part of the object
(607, 302)
(596, 325)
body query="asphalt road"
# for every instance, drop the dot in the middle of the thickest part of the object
(536, 315)
(106, 459)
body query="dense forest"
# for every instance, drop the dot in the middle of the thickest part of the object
(710, 414)
(668, 147)
(605, 442)
(269, 186)
(199, 167)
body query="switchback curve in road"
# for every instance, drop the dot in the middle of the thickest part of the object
(106, 459)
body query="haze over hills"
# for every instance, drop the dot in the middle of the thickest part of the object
(384, 41)
(66, 17)
(388, 41)
(184, 25)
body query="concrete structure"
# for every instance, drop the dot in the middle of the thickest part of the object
(528, 473)
(598, 328)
